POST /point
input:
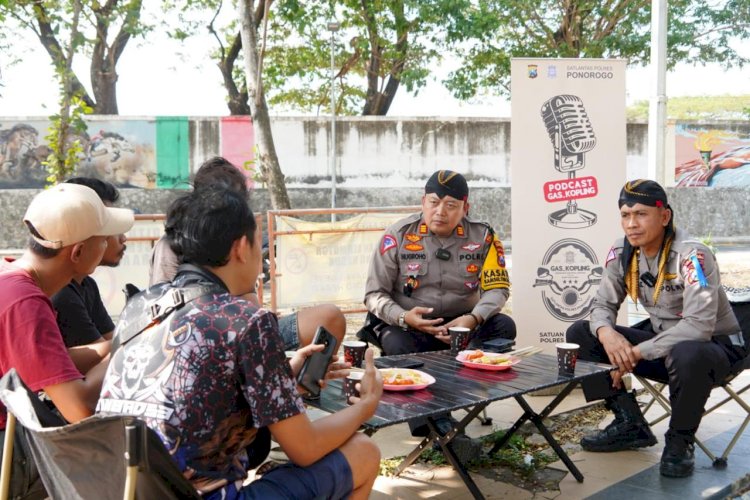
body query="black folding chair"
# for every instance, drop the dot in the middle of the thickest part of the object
(103, 457)
(740, 302)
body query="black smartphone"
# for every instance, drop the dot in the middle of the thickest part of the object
(316, 365)
(386, 362)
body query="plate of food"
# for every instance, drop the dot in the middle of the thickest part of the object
(405, 379)
(487, 360)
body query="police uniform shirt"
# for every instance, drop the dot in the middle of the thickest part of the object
(468, 275)
(691, 305)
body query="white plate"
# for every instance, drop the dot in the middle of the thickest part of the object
(424, 379)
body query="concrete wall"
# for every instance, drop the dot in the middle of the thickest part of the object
(385, 162)
(394, 151)
(369, 150)
(722, 213)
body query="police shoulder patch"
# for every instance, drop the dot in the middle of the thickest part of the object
(387, 243)
(611, 255)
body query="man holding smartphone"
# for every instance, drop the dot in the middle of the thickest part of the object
(206, 369)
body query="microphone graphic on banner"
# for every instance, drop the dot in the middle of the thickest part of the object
(572, 136)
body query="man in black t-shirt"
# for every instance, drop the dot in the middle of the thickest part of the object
(83, 320)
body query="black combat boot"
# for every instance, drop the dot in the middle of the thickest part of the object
(628, 431)
(677, 459)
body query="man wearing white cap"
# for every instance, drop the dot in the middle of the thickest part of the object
(69, 225)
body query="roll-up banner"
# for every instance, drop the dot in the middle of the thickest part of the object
(568, 160)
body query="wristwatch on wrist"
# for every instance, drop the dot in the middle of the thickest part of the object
(402, 321)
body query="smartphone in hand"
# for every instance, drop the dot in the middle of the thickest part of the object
(316, 365)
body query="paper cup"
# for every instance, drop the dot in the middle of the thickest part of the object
(354, 352)
(567, 355)
(350, 383)
(459, 338)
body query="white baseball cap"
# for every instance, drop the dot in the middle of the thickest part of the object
(70, 213)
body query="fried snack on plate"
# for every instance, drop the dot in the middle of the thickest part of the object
(475, 355)
(492, 360)
(401, 377)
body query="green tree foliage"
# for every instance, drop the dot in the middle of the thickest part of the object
(488, 33)
(382, 45)
(104, 31)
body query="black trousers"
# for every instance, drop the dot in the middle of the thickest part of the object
(692, 369)
(395, 340)
(25, 483)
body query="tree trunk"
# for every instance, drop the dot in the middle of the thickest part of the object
(268, 161)
(103, 82)
(49, 41)
(237, 99)
(103, 70)
(105, 56)
(378, 103)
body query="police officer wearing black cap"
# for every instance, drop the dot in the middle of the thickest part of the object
(690, 340)
(435, 270)
(438, 269)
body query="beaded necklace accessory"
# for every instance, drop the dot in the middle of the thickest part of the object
(633, 274)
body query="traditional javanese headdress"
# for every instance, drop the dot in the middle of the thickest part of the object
(652, 194)
(447, 182)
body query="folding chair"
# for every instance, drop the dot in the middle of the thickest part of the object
(740, 303)
(103, 457)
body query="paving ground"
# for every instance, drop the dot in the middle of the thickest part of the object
(607, 476)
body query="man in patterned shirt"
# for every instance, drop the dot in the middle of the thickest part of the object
(212, 379)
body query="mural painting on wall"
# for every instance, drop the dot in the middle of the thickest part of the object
(121, 152)
(21, 155)
(711, 157)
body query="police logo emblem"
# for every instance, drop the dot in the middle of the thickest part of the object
(533, 70)
(472, 268)
(412, 237)
(470, 247)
